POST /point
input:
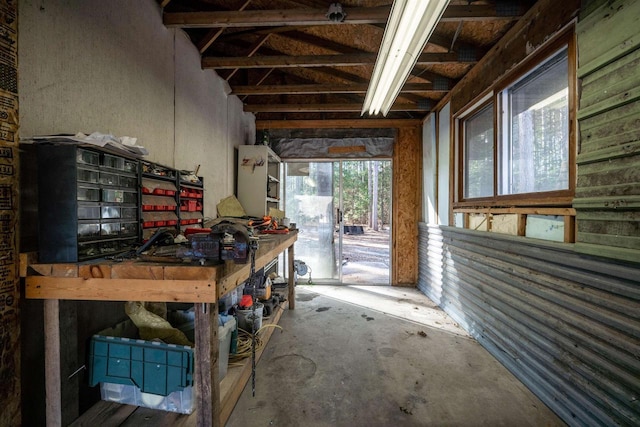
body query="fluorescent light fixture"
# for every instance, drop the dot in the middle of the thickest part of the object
(408, 29)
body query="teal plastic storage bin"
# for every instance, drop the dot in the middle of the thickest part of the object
(153, 367)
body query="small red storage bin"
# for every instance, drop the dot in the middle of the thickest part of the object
(147, 224)
(147, 207)
(193, 205)
(161, 223)
(172, 222)
(159, 191)
(170, 192)
(146, 190)
(184, 222)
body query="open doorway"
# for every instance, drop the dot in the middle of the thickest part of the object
(343, 211)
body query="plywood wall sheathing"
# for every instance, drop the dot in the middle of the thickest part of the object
(407, 206)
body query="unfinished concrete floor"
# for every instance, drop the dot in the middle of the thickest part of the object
(380, 356)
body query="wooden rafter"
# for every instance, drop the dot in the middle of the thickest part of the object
(316, 108)
(252, 51)
(337, 124)
(302, 17)
(214, 33)
(312, 89)
(285, 61)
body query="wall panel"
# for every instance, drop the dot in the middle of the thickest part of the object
(608, 186)
(407, 161)
(567, 325)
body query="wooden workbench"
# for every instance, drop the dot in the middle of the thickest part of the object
(145, 281)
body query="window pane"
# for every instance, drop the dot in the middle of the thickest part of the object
(535, 151)
(478, 154)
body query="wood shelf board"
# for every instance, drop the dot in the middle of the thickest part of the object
(236, 378)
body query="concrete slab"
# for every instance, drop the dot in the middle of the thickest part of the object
(339, 362)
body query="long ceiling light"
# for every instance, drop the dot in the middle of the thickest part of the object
(408, 29)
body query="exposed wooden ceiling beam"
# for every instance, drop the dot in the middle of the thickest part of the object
(313, 89)
(286, 61)
(338, 124)
(214, 33)
(252, 51)
(302, 17)
(270, 18)
(318, 108)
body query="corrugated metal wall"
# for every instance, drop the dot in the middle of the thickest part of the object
(607, 199)
(567, 325)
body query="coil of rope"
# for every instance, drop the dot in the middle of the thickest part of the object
(245, 344)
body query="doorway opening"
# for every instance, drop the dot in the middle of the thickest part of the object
(343, 211)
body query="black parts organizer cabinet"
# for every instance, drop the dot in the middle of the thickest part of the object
(93, 203)
(88, 203)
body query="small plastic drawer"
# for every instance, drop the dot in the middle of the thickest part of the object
(88, 194)
(110, 229)
(87, 157)
(131, 197)
(88, 175)
(107, 178)
(130, 166)
(88, 212)
(110, 212)
(119, 196)
(88, 230)
(128, 228)
(129, 213)
(113, 162)
(112, 196)
(128, 181)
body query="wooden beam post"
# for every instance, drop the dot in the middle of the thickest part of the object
(52, 381)
(207, 379)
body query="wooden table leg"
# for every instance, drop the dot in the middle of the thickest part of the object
(206, 365)
(292, 284)
(52, 379)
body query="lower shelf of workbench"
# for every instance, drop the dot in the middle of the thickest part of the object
(115, 414)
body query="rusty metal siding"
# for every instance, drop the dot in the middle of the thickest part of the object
(567, 325)
(607, 199)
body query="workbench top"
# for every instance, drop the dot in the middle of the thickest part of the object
(135, 280)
